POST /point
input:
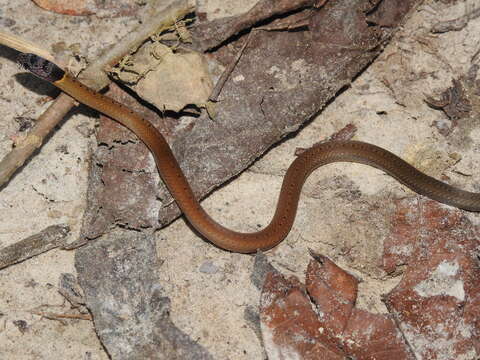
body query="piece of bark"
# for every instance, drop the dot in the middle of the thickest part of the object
(210, 35)
(261, 268)
(118, 276)
(282, 79)
(47, 239)
(123, 191)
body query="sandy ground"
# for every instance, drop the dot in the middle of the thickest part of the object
(210, 289)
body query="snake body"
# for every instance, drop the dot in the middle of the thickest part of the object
(299, 170)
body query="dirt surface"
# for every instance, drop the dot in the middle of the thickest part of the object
(342, 214)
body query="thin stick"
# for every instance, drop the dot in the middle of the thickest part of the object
(47, 239)
(57, 316)
(24, 46)
(226, 74)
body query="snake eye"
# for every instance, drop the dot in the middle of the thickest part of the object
(41, 67)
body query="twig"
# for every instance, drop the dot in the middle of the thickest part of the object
(225, 75)
(262, 10)
(291, 22)
(475, 56)
(34, 139)
(286, 26)
(277, 26)
(94, 76)
(60, 317)
(24, 46)
(47, 239)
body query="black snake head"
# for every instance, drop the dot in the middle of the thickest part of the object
(41, 67)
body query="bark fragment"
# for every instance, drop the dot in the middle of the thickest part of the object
(131, 315)
(47, 239)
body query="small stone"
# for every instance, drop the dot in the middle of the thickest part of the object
(208, 268)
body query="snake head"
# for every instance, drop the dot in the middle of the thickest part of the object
(40, 67)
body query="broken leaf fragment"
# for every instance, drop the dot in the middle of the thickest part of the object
(169, 80)
(319, 320)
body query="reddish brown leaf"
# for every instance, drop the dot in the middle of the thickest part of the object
(436, 303)
(333, 291)
(292, 329)
(374, 337)
(103, 8)
(290, 326)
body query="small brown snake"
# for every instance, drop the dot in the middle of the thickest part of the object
(299, 170)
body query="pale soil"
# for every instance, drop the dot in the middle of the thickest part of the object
(210, 289)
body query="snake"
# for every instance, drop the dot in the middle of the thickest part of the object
(304, 164)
